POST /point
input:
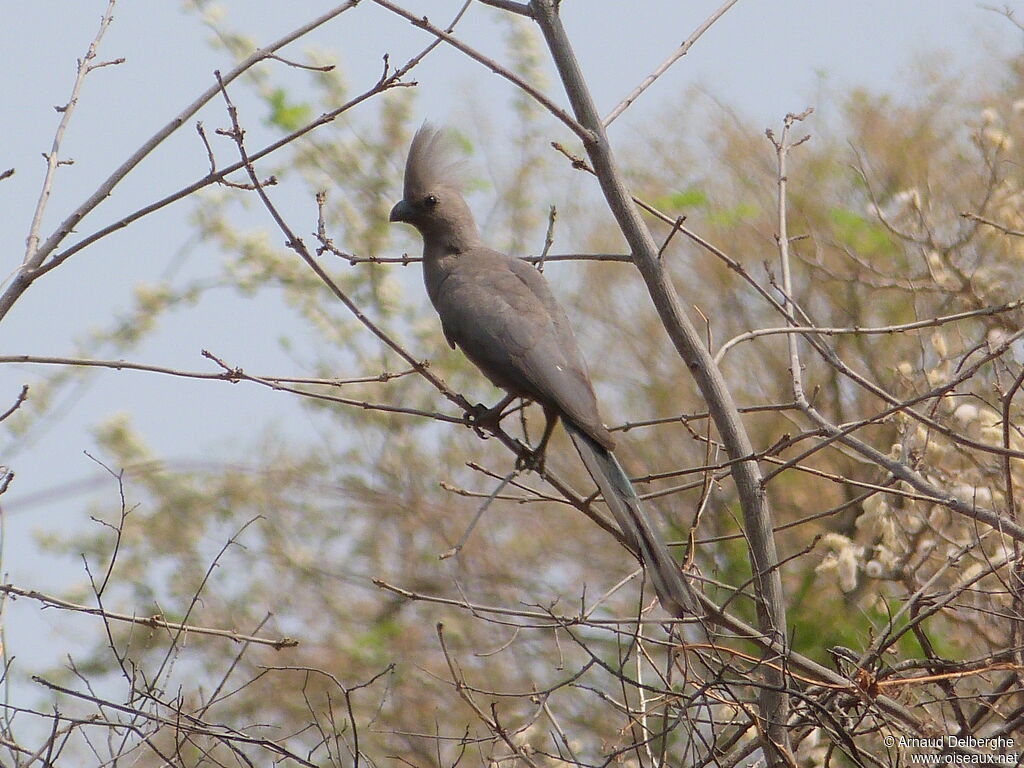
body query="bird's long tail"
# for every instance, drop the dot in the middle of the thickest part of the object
(675, 594)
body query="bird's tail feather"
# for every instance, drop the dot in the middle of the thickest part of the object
(675, 594)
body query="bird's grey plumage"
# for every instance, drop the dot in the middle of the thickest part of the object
(674, 593)
(498, 310)
(429, 163)
(501, 313)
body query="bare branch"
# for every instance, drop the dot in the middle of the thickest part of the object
(424, 23)
(681, 51)
(522, 9)
(782, 149)
(227, 373)
(392, 81)
(22, 397)
(771, 607)
(300, 65)
(931, 322)
(994, 224)
(53, 156)
(234, 374)
(190, 725)
(31, 268)
(153, 622)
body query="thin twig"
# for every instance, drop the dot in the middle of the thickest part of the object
(491, 721)
(22, 397)
(479, 513)
(53, 156)
(932, 322)
(227, 374)
(154, 622)
(993, 224)
(424, 23)
(34, 266)
(782, 149)
(681, 51)
(549, 238)
(771, 606)
(190, 725)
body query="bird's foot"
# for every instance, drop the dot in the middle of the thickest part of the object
(481, 418)
(531, 461)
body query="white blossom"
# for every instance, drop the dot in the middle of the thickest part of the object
(998, 138)
(966, 413)
(908, 198)
(847, 566)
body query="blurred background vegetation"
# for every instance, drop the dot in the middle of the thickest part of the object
(877, 198)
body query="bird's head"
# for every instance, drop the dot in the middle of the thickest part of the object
(432, 200)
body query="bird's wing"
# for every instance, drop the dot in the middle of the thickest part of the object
(500, 312)
(538, 286)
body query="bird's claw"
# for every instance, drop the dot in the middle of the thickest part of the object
(482, 420)
(531, 461)
(479, 417)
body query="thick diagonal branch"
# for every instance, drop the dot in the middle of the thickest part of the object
(771, 609)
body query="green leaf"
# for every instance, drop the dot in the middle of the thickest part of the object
(691, 197)
(728, 217)
(863, 235)
(284, 115)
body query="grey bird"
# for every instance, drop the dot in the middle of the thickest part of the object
(501, 313)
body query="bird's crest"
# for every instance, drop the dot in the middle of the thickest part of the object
(430, 163)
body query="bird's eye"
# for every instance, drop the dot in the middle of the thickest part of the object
(430, 201)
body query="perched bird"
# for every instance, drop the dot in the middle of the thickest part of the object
(501, 313)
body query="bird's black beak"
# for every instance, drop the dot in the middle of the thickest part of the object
(401, 212)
